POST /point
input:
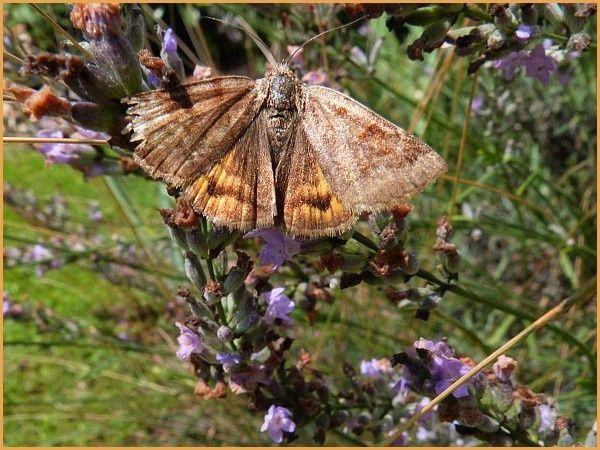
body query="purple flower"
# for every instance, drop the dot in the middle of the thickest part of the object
(247, 380)
(315, 77)
(443, 369)
(423, 434)
(228, 359)
(6, 307)
(297, 59)
(510, 63)
(279, 307)
(39, 253)
(446, 371)
(94, 212)
(189, 342)
(538, 65)
(563, 76)
(73, 154)
(524, 32)
(375, 368)
(547, 419)
(476, 105)
(278, 247)
(169, 53)
(169, 42)
(278, 420)
(400, 441)
(89, 134)
(151, 78)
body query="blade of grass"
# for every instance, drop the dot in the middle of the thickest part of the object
(461, 148)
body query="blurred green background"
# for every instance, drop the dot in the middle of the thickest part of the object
(91, 362)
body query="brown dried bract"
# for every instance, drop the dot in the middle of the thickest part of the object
(128, 165)
(46, 103)
(97, 19)
(304, 359)
(202, 389)
(388, 260)
(64, 67)
(527, 396)
(18, 91)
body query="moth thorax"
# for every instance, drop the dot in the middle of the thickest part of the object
(282, 91)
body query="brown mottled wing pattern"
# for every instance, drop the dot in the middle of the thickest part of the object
(370, 163)
(185, 130)
(310, 208)
(239, 190)
(207, 139)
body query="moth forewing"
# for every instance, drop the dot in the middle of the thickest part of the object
(370, 163)
(186, 129)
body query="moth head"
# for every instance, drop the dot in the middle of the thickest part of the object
(282, 87)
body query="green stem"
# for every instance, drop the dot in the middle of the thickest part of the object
(357, 236)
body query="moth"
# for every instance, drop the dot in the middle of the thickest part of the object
(277, 152)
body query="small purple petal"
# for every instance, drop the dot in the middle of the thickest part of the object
(315, 77)
(169, 42)
(547, 419)
(278, 247)
(277, 420)
(524, 32)
(189, 342)
(539, 66)
(279, 307)
(228, 359)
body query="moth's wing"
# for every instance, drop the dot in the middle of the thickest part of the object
(310, 208)
(186, 129)
(207, 139)
(239, 190)
(370, 163)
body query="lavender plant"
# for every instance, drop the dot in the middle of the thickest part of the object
(252, 299)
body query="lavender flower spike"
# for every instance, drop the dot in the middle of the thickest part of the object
(278, 420)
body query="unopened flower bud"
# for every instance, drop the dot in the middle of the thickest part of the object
(224, 334)
(339, 417)
(134, 25)
(322, 421)
(246, 315)
(529, 14)
(194, 271)
(496, 40)
(444, 229)
(579, 42)
(196, 242)
(213, 291)
(234, 279)
(98, 117)
(409, 264)
(504, 367)
(503, 17)
(428, 304)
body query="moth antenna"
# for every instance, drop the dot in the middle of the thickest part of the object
(258, 41)
(321, 34)
(246, 28)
